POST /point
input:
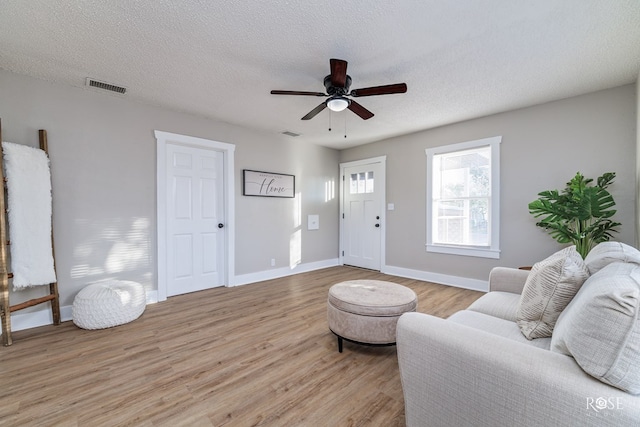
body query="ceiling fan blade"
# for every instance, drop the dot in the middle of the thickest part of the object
(315, 111)
(296, 92)
(338, 72)
(360, 110)
(380, 90)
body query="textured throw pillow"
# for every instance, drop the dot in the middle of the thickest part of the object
(600, 328)
(606, 253)
(550, 286)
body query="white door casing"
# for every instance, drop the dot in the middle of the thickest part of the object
(195, 194)
(362, 225)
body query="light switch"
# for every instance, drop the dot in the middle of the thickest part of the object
(313, 222)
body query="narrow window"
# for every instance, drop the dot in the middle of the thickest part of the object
(361, 183)
(463, 198)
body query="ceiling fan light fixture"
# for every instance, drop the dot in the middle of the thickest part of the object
(338, 103)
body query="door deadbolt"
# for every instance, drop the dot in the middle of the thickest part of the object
(220, 225)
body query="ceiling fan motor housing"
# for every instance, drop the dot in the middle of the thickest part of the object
(333, 90)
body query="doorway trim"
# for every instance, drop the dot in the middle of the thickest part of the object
(383, 197)
(228, 152)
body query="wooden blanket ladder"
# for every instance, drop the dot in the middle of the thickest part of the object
(5, 308)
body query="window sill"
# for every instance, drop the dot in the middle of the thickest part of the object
(465, 251)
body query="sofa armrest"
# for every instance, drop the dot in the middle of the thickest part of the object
(455, 375)
(507, 279)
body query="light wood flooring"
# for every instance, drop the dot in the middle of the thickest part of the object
(253, 355)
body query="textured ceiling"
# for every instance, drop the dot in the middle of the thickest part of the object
(220, 59)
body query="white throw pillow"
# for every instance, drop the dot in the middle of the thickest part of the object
(606, 253)
(600, 328)
(550, 286)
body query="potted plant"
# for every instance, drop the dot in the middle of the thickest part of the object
(580, 214)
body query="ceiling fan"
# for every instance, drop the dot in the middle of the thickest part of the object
(337, 84)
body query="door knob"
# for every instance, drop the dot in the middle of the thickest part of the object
(220, 225)
(377, 225)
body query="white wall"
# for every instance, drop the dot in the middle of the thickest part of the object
(103, 158)
(542, 148)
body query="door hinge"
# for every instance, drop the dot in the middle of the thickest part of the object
(342, 253)
(343, 215)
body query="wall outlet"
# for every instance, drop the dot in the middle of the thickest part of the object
(273, 262)
(313, 222)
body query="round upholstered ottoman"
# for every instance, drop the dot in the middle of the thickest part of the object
(110, 303)
(366, 311)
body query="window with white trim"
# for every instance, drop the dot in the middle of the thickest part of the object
(463, 198)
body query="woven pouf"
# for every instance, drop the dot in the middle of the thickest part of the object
(110, 303)
(367, 311)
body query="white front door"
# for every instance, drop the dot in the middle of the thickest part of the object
(195, 223)
(362, 210)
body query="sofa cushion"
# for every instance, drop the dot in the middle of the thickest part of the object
(496, 326)
(606, 253)
(550, 286)
(498, 304)
(600, 328)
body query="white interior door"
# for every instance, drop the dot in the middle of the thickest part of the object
(362, 222)
(195, 223)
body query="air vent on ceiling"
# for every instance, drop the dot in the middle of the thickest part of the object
(106, 86)
(288, 133)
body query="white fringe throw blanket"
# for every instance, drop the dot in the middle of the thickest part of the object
(29, 212)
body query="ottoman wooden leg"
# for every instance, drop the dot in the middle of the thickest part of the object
(339, 343)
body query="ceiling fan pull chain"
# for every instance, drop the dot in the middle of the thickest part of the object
(329, 120)
(345, 125)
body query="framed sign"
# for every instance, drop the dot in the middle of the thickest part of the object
(268, 184)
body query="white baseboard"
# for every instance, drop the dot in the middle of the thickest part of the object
(260, 276)
(152, 297)
(21, 321)
(445, 279)
(34, 319)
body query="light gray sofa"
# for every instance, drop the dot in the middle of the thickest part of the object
(476, 368)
